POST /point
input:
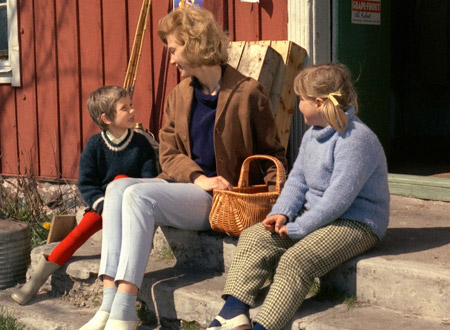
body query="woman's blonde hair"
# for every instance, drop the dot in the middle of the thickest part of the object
(196, 29)
(333, 83)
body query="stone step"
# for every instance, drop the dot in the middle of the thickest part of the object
(45, 312)
(409, 270)
(196, 297)
(407, 273)
(172, 294)
(322, 316)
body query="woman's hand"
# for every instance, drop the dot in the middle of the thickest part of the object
(276, 223)
(215, 182)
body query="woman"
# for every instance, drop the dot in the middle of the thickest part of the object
(214, 119)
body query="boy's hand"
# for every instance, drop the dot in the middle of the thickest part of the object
(276, 223)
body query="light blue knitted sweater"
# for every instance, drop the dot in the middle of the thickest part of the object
(336, 175)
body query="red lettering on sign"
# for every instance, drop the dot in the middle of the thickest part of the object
(366, 6)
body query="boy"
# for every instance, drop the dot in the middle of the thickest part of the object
(118, 151)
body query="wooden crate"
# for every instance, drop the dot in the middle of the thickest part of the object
(275, 64)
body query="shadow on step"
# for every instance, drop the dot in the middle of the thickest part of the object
(426, 248)
(199, 256)
(158, 292)
(413, 240)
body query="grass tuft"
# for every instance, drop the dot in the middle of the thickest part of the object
(8, 322)
(186, 325)
(332, 293)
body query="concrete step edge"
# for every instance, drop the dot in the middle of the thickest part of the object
(407, 286)
(401, 285)
(201, 302)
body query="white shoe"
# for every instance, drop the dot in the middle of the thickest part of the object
(121, 325)
(98, 322)
(240, 322)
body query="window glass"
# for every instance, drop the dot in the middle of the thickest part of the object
(3, 31)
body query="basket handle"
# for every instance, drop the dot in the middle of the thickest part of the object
(245, 169)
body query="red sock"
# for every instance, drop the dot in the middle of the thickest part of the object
(88, 226)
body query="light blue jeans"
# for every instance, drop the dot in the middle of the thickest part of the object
(132, 210)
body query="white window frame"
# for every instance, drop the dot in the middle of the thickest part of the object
(10, 69)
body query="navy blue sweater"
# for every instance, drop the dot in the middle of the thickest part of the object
(201, 129)
(102, 160)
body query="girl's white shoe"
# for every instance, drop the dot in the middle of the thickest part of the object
(121, 325)
(97, 322)
(240, 322)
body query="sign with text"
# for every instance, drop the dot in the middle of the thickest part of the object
(183, 3)
(366, 12)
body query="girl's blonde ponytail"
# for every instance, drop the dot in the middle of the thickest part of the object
(333, 113)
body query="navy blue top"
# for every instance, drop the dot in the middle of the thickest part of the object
(201, 129)
(102, 160)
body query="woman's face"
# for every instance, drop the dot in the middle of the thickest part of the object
(177, 58)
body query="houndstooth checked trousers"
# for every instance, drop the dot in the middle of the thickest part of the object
(293, 264)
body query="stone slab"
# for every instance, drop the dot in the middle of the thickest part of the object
(412, 262)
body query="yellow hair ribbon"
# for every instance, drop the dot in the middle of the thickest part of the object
(331, 96)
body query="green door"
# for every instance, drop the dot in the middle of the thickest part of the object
(364, 46)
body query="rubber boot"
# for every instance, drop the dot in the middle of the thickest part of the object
(43, 270)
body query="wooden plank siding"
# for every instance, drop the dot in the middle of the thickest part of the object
(70, 48)
(26, 99)
(47, 101)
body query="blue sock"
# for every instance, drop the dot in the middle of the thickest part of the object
(233, 307)
(258, 326)
(108, 298)
(124, 307)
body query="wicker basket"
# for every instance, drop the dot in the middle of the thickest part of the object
(234, 210)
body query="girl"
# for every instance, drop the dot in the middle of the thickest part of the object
(213, 110)
(333, 207)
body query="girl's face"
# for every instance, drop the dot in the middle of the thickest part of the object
(310, 108)
(177, 58)
(125, 117)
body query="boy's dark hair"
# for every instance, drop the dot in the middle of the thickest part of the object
(103, 101)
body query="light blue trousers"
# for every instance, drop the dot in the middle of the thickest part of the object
(132, 210)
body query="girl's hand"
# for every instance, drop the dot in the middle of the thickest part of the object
(215, 182)
(275, 223)
(283, 232)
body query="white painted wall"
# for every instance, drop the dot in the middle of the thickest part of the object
(310, 27)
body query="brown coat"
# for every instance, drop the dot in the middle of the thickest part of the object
(244, 126)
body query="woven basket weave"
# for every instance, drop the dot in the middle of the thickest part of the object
(234, 210)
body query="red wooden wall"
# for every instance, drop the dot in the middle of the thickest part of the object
(70, 48)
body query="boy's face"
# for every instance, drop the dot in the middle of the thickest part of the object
(125, 117)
